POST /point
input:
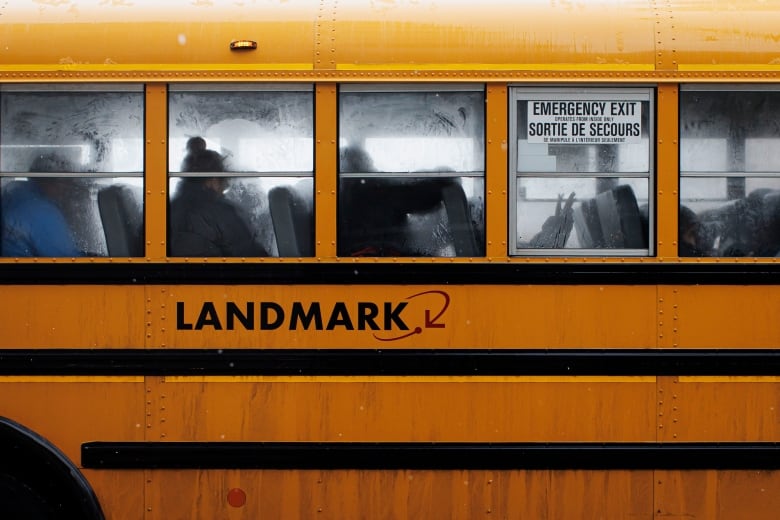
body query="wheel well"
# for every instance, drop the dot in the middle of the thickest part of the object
(37, 480)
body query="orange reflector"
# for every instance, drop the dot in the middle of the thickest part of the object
(236, 497)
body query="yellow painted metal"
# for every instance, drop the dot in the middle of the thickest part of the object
(176, 34)
(97, 316)
(718, 409)
(667, 166)
(496, 186)
(396, 410)
(470, 316)
(725, 35)
(121, 493)
(309, 38)
(465, 495)
(68, 414)
(325, 178)
(695, 316)
(498, 35)
(718, 495)
(715, 316)
(409, 495)
(72, 316)
(156, 178)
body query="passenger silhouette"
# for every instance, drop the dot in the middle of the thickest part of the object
(202, 221)
(33, 223)
(373, 211)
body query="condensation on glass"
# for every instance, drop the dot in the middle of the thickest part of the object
(581, 171)
(71, 168)
(729, 171)
(411, 170)
(245, 155)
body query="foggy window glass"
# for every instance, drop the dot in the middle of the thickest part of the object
(71, 162)
(277, 212)
(94, 131)
(729, 131)
(582, 213)
(241, 160)
(411, 171)
(582, 164)
(72, 216)
(254, 130)
(733, 132)
(417, 131)
(711, 223)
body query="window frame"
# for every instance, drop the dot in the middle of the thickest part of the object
(519, 93)
(373, 88)
(273, 175)
(114, 178)
(734, 181)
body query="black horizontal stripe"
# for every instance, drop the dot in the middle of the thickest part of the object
(406, 362)
(407, 272)
(434, 456)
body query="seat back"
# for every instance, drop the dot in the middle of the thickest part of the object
(621, 222)
(291, 214)
(459, 220)
(611, 220)
(771, 222)
(587, 225)
(122, 221)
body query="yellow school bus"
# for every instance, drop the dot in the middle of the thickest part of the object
(393, 259)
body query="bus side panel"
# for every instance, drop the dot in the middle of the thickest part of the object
(719, 409)
(446, 409)
(449, 316)
(711, 494)
(718, 495)
(69, 411)
(72, 316)
(712, 316)
(120, 493)
(338, 494)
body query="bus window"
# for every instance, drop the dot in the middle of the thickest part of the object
(411, 171)
(729, 171)
(241, 163)
(64, 151)
(581, 171)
